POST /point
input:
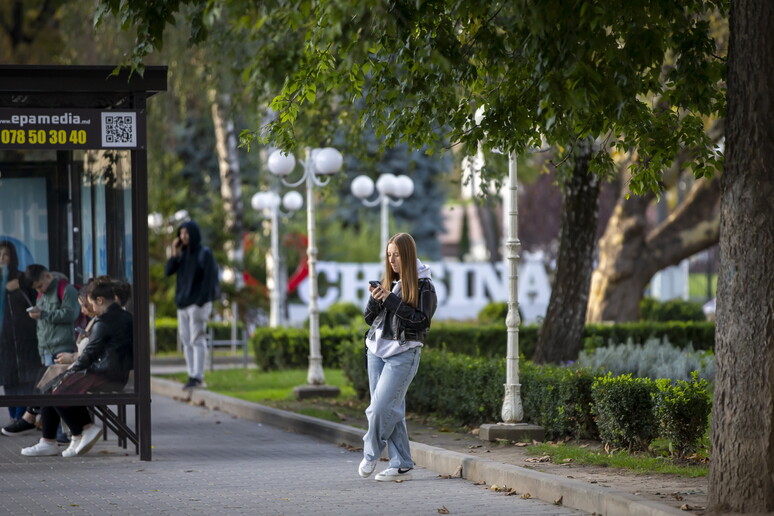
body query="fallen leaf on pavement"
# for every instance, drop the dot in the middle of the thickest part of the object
(526, 496)
(521, 445)
(443, 510)
(558, 501)
(544, 458)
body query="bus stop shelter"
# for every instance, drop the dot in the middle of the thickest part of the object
(73, 197)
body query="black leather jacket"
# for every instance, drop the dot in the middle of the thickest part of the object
(403, 322)
(109, 351)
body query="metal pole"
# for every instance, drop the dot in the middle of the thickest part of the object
(275, 317)
(315, 375)
(385, 221)
(513, 411)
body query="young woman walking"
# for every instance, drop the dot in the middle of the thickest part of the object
(399, 312)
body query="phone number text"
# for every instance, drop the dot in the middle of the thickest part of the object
(42, 136)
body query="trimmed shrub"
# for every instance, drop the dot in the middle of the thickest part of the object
(682, 410)
(341, 314)
(468, 389)
(286, 348)
(353, 363)
(489, 340)
(673, 310)
(624, 411)
(558, 399)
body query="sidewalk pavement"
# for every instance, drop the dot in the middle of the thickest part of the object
(208, 461)
(549, 488)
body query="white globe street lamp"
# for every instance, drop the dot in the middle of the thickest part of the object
(392, 191)
(269, 204)
(318, 162)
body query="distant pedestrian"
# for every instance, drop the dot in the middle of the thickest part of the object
(196, 288)
(399, 312)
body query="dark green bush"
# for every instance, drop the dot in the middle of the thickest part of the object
(558, 399)
(353, 363)
(624, 411)
(563, 401)
(341, 314)
(479, 340)
(285, 348)
(701, 335)
(682, 410)
(468, 389)
(673, 310)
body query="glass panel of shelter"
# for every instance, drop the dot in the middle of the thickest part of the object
(71, 212)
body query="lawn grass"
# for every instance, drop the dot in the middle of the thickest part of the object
(640, 463)
(265, 387)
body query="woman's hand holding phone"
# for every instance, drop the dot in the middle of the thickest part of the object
(377, 292)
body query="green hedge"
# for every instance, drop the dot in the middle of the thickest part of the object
(558, 399)
(623, 407)
(673, 310)
(624, 411)
(490, 340)
(699, 334)
(285, 348)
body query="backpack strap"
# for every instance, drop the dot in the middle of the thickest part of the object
(60, 288)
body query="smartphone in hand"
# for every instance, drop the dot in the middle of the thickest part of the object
(375, 284)
(32, 309)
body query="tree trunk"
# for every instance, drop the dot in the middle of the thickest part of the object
(562, 330)
(741, 475)
(230, 180)
(630, 254)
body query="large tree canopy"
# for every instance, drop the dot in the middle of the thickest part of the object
(636, 76)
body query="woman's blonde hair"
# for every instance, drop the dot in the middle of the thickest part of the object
(407, 249)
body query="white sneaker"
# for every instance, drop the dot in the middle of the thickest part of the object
(71, 450)
(89, 438)
(394, 475)
(42, 449)
(367, 467)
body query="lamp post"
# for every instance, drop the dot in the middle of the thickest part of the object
(319, 162)
(388, 186)
(269, 204)
(512, 411)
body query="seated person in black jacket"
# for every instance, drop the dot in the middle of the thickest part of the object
(102, 366)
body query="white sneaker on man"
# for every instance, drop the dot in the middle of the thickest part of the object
(366, 468)
(72, 450)
(42, 449)
(394, 475)
(89, 438)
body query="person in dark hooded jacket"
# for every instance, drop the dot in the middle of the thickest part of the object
(19, 359)
(195, 289)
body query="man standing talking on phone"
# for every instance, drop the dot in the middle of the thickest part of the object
(195, 289)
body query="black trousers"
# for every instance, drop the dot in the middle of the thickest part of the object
(75, 418)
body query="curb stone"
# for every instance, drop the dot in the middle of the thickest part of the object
(546, 487)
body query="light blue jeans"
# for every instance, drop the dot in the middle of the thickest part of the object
(389, 380)
(192, 329)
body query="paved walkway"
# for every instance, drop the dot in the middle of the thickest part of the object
(207, 462)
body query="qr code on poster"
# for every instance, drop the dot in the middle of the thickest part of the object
(119, 129)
